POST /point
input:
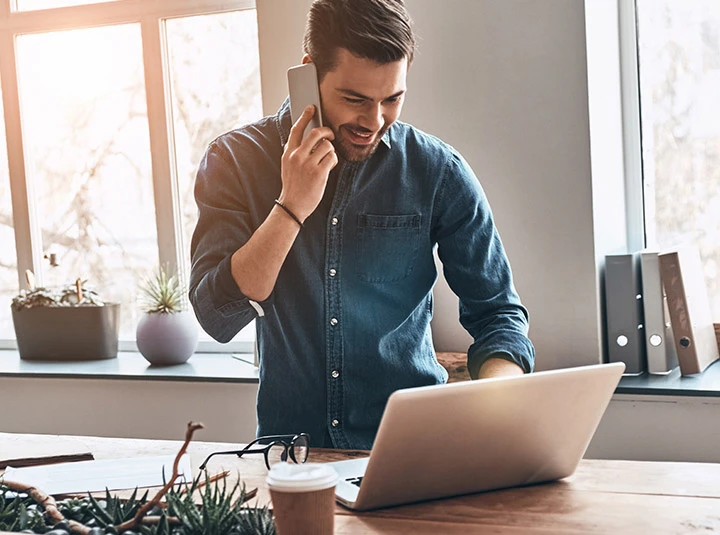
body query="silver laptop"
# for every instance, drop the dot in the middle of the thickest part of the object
(467, 437)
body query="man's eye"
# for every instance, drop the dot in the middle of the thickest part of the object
(353, 100)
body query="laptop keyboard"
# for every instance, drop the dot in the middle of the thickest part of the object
(355, 480)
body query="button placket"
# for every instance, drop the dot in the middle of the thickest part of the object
(333, 303)
(334, 389)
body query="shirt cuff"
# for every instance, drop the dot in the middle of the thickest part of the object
(522, 356)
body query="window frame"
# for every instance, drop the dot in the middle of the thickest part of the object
(632, 134)
(150, 15)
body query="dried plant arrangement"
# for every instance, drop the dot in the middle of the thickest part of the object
(223, 510)
(75, 294)
(64, 324)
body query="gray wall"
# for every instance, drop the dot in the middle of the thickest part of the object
(505, 82)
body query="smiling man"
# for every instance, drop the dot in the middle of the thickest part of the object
(328, 241)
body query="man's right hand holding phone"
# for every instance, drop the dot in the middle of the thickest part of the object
(306, 165)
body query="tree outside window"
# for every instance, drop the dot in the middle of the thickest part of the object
(679, 68)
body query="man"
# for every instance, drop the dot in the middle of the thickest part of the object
(328, 241)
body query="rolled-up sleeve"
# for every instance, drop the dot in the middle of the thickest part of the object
(477, 270)
(224, 225)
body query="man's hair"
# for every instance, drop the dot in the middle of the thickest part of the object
(378, 30)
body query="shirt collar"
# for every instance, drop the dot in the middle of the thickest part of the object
(284, 123)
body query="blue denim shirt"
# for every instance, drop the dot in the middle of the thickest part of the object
(348, 321)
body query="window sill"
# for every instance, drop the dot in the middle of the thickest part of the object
(238, 368)
(129, 365)
(706, 384)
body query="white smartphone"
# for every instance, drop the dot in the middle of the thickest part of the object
(303, 90)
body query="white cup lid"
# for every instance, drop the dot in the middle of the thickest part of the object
(306, 477)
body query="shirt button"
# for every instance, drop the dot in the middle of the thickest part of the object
(333, 321)
(335, 374)
(335, 422)
(333, 272)
(334, 221)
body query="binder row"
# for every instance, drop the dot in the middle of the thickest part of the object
(658, 313)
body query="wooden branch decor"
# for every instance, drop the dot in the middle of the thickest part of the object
(48, 503)
(143, 511)
(27, 509)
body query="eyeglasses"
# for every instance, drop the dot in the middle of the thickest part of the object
(275, 448)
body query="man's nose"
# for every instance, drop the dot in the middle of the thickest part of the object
(372, 117)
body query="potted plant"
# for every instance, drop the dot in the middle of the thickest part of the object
(70, 323)
(167, 333)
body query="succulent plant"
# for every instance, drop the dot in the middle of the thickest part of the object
(163, 293)
(223, 511)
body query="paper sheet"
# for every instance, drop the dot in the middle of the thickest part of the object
(95, 476)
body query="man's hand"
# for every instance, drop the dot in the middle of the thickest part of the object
(497, 367)
(306, 165)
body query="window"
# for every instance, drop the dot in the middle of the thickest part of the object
(107, 186)
(8, 260)
(678, 53)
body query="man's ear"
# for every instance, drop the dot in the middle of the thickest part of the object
(306, 59)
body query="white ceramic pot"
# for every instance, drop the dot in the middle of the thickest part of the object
(167, 339)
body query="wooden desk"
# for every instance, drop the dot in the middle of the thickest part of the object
(608, 497)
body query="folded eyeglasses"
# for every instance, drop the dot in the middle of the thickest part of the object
(275, 448)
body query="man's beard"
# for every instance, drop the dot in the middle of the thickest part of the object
(350, 152)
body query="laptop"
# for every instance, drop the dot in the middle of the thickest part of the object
(467, 437)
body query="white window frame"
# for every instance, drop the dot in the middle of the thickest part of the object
(632, 137)
(150, 14)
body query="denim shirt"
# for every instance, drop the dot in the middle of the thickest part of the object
(348, 321)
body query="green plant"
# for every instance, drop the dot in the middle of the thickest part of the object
(113, 511)
(27, 508)
(19, 512)
(163, 293)
(221, 512)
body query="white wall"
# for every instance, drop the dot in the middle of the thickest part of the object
(127, 408)
(658, 428)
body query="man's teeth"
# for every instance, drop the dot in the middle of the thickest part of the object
(365, 134)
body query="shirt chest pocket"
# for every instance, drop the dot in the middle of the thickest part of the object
(387, 246)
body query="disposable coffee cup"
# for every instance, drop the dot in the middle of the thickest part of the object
(303, 498)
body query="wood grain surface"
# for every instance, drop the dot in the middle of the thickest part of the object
(456, 366)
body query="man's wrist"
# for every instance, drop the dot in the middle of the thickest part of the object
(289, 212)
(499, 367)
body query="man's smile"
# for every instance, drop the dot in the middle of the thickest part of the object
(359, 137)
